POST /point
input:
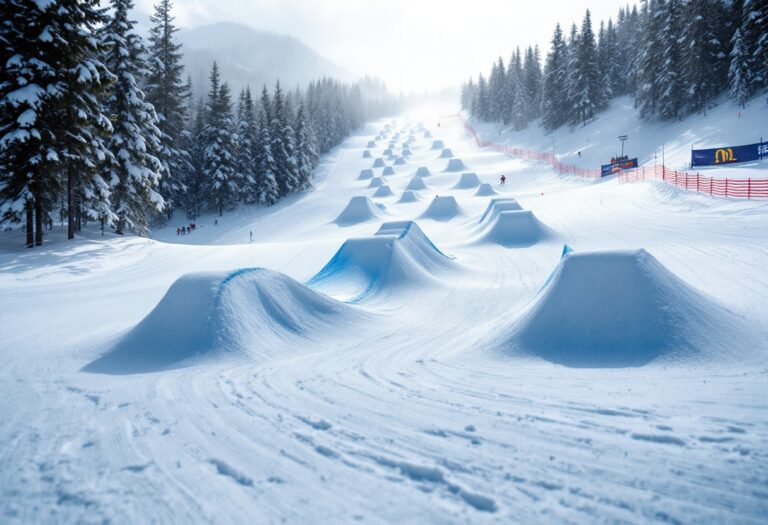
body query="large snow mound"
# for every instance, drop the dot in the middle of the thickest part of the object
(442, 208)
(253, 312)
(389, 170)
(399, 161)
(437, 144)
(467, 180)
(372, 143)
(375, 182)
(485, 190)
(365, 174)
(359, 209)
(496, 206)
(422, 171)
(515, 228)
(398, 256)
(455, 165)
(383, 191)
(366, 154)
(378, 163)
(618, 309)
(446, 153)
(416, 183)
(408, 196)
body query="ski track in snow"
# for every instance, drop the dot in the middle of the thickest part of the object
(407, 418)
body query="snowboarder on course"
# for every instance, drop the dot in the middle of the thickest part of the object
(503, 180)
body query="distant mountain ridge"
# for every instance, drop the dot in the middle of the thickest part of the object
(251, 57)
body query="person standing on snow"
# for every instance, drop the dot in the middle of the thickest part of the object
(503, 180)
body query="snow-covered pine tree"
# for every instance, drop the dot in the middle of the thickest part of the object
(135, 172)
(247, 135)
(532, 84)
(51, 120)
(754, 34)
(572, 71)
(519, 108)
(701, 51)
(306, 149)
(586, 80)
(283, 147)
(555, 110)
(496, 92)
(467, 92)
(194, 196)
(760, 53)
(604, 61)
(482, 99)
(267, 190)
(219, 164)
(649, 87)
(739, 74)
(670, 82)
(168, 93)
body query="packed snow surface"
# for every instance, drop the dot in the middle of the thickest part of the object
(514, 228)
(359, 209)
(455, 165)
(254, 312)
(468, 180)
(406, 372)
(442, 208)
(622, 308)
(408, 196)
(416, 183)
(398, 256)
(485, 190)
(383, 191)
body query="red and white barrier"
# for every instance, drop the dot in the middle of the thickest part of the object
(733, 188)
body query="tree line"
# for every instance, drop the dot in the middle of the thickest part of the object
(97, 125)
(674, 57)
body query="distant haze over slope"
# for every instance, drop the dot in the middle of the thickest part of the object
(248, 56)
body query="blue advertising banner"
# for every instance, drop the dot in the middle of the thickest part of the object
(729, 155)
(615, 167)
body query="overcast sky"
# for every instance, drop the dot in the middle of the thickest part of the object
(412, 45)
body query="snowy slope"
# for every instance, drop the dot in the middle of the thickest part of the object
(725, 125)
(447, 394)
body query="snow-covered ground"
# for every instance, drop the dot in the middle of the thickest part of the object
(727, 124)
(461, 369)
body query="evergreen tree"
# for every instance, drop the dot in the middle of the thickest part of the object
(671, 89)
(283, 147)
(739, 74)
(702, 53)
(649, 88)
(51, 121)
(586, 80)
(555, 109)
(135, 172)
(219, 164)
(247, 136)
(571, 91)
(167, 92)
(306, 149)
(267, 190)
(496, 92)
(532, 84)
(519, 108)
(194, 181)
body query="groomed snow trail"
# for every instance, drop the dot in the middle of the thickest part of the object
(410, 410)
